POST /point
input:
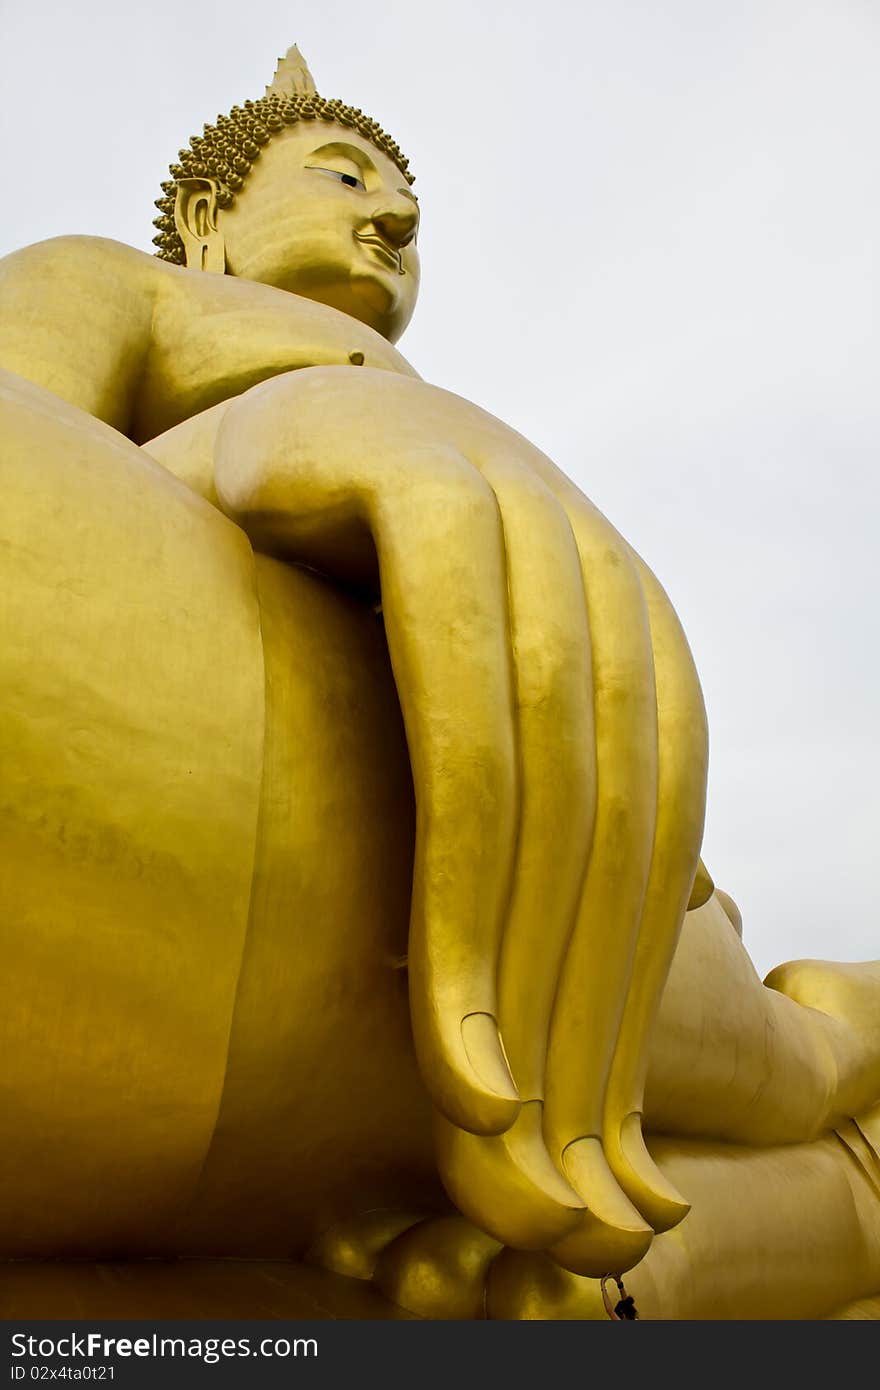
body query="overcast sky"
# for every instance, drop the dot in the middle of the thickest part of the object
(650, 242)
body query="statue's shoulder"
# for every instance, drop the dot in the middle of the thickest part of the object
(81, 256)
(76, 315)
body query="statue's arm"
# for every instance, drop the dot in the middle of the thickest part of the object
(214, 336)
(75, 318)
(557, 743)
(143, 345)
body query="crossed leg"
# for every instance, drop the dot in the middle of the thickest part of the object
(783, 1223)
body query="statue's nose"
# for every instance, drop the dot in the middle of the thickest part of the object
(397, 221)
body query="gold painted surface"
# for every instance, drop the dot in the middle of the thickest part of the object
(862, 1310)
(186, 1289)
(321, 1022)
(312, 913)
(128, 831)
(773, 1233)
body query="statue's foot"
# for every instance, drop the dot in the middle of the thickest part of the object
(443, 1267)
(352, 1247)
(845, 999)
(526, 1287)
(847, 992)
(435, 1267)
(844, 1002)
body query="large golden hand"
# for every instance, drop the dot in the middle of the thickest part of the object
(558, 749)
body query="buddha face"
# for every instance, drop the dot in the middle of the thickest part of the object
(325, 215)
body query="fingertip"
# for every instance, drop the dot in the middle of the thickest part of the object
(658, 1200)
(527, 1148)
(506, 1184)
(479, 1111)
(702, 888)
(466, 1071)
(612, 1235)
(485, 1053)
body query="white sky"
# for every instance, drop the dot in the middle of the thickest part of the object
(649, 243)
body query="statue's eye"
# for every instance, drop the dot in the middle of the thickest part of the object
(348, 179)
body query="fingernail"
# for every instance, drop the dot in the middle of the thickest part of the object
(485, 1052)
(524, 1142)
(657, 1198)
(587, 1170)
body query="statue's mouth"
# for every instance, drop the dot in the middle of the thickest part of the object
(388, 253)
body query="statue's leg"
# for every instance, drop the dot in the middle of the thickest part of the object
(322, 1114)
(785, 1232)
(206, 863)
(858, 1310)
(730, 1057)
(132, 699)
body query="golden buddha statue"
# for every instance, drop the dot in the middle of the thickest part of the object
(354, 779)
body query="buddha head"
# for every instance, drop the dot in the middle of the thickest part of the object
(308, 195)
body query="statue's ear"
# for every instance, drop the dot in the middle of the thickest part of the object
(195, 217)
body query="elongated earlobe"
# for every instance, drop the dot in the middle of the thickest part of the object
(195, 217)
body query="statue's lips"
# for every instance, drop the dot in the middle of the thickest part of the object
(388, 254)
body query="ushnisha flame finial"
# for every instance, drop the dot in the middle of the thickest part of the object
(292, 76)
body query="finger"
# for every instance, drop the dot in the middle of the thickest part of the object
(438, 540)
(303, 463)
(703, 888)
(623, 1146)
(510, 1186)
(599, 959)
(681, 795)
(598, 964)
(507, 1183)
(550, 640)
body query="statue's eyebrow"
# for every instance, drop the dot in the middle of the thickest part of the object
(341, 150)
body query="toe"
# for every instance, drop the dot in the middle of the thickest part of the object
(438, 1269)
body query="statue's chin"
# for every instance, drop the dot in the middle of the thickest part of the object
(372, 298)
(377, 302)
